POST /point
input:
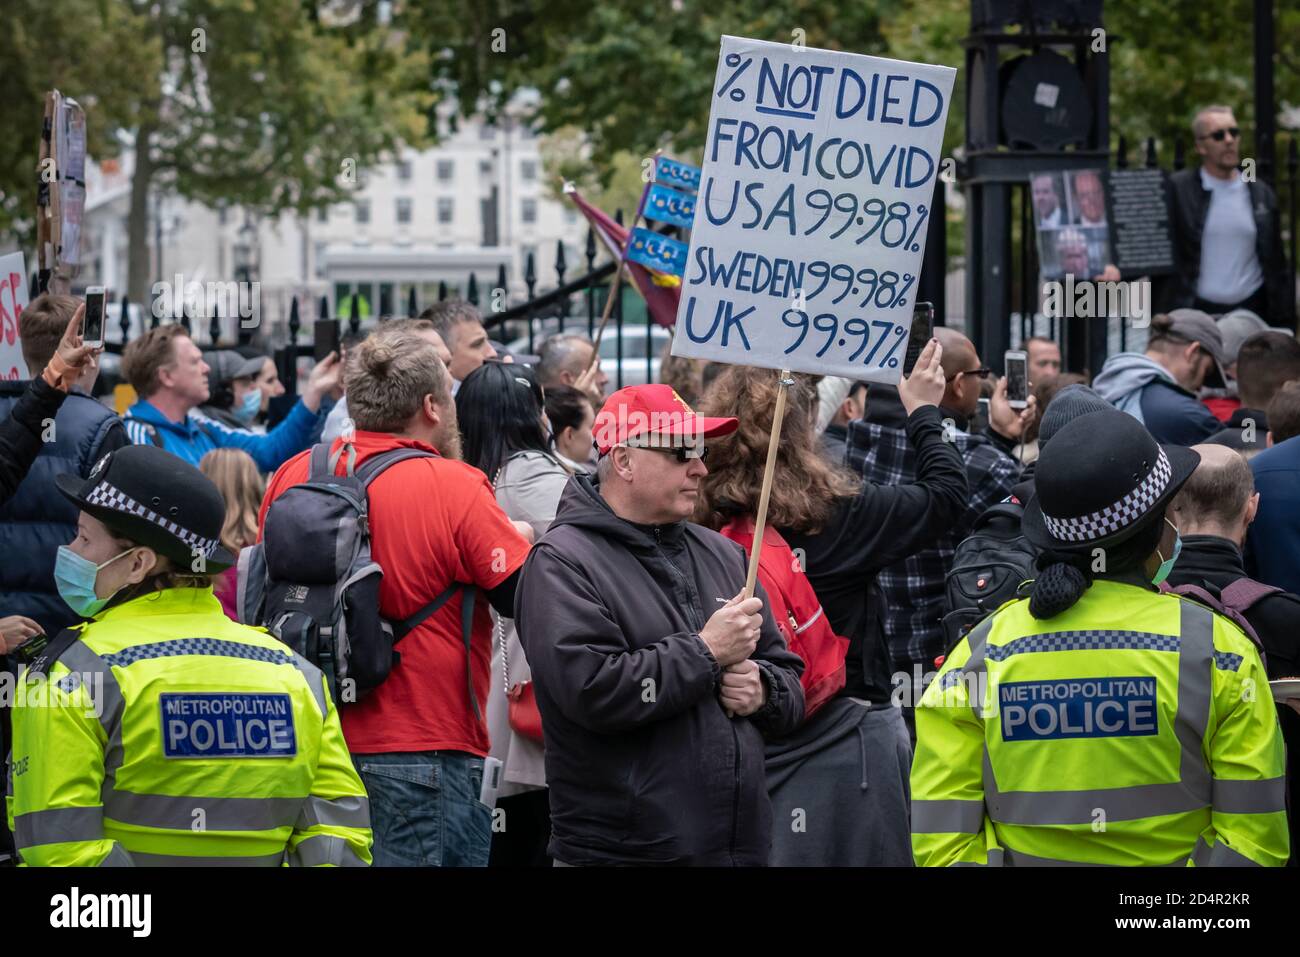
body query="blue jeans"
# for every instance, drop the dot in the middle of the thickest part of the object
(425, 809)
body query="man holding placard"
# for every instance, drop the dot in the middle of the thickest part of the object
(657, 680)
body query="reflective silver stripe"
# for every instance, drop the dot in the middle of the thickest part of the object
(315, 681)
(1195, 672)
(1083, 807)
(340, 812)
(1190, 792)
(1221, 855)
(177, 860)
(58, 825)
(118, 857)
(947, 817)
(977, 642)
(324, 849)
(994, 859)
(78, 657)
(219, 814)
(1267, 796)
(1021, 859)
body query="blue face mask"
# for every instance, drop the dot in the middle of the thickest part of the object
(249, 408)
(1167, 565)
(75, 577)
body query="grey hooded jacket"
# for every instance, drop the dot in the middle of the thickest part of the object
(1142, 387)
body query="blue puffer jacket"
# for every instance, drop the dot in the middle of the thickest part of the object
(37, 520)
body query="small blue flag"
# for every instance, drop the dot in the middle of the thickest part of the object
(666, 205)
(657, 252)
(677, 174)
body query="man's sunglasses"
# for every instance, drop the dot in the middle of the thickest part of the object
(981, 373)
(1219, 135)
(683, 453)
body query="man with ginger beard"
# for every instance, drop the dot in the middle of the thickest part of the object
(419, 739)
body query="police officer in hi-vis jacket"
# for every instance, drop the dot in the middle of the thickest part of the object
(161, 732)
(1099, 721)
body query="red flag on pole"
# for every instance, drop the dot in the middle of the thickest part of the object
(661, 292)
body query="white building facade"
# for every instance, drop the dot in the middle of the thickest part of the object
(472, 204)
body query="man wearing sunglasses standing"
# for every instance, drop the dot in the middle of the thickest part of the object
(1227, 231)
(656, 679)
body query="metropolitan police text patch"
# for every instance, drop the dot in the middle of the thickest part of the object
(229, 725)
(1078, 708)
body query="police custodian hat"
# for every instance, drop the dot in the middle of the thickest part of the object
(1101, 480)
(153, 498)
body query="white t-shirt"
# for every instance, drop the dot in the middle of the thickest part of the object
(1230, 269)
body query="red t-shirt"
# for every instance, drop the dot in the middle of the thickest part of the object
(433, 522)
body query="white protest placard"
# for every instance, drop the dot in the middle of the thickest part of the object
(812, 212)
(13, 299)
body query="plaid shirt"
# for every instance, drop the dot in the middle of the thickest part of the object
(913, 589)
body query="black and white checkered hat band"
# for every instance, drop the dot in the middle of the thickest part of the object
(1123, 513)
(108, 496)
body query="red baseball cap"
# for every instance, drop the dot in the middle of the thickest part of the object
(658, 411)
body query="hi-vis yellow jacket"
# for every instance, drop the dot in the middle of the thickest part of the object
(1135, 728)
(171, 735)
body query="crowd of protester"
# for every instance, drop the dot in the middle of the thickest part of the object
(580, 678)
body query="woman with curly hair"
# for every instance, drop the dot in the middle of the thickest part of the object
(845, 772)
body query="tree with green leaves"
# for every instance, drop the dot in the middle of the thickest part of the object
(633, 76)
(267, 104)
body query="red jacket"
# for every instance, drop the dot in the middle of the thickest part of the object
(433, 521)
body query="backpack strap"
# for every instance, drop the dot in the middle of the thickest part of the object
(404, 627)
(319, 461)
(376, 465)
(1244, 592)
(52, 651)
(1203, 597)
(1012, 511)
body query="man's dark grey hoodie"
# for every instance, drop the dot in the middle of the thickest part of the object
(643, 764)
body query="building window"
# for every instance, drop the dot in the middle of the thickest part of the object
(323, 215)
(446, 170)
(529, 211)
(487, 131)
(363, 211)
(570, 215)
(446, 209)
(404, 170)
(320, 259)
(528, 171)
(485, 167)
(403, 211)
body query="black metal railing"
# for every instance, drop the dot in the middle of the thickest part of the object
(571, 304)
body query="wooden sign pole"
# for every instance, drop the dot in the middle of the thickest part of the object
(604, 317)
(760, 520)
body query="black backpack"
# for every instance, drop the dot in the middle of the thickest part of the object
(312, 583)
(988, 568)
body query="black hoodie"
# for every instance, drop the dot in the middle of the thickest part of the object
(643, 764)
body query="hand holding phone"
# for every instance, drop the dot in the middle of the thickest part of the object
(328, 333)
(1017, 366)
(92, 321)
(922, 331)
